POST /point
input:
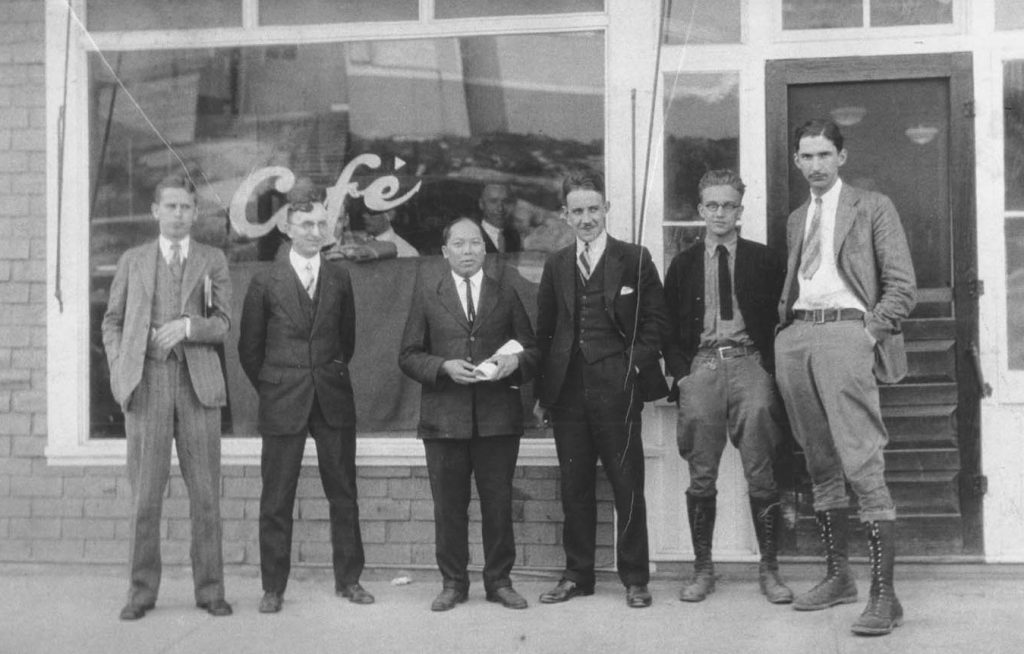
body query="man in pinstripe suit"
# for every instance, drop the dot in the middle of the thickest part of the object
(168, 308)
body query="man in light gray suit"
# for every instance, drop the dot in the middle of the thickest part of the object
(168, 309)
(849, 284)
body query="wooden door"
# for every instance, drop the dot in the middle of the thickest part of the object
(907, 125)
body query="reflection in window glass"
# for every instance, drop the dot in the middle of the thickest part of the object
(915, 12)
(1009, 15)
(696, 21)
(702, 129)
(1015, 293)
(821, 14)
(161, 15)
(481, 8)
(451, 114)
(315, 12)
(1013, 133)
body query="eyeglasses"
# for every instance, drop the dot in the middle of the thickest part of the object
(309, 225)
(713, 207)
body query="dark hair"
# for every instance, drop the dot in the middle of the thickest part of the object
(720, 177)
(448, 228)
(582, 180)
(819, 127)
(176, 180)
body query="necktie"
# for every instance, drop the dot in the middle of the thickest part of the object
(470, 309)
(724, 283)
(176, 267)
(310, 284)
(585, 260)
(811, 259)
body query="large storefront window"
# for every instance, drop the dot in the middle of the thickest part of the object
(1013, 138)
(106, 15)
(828, 14)
(702, 130)
(1009, 15)
(692, 22)
(450, 114)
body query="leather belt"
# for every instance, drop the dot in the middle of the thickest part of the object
(728, 351)
(828, 315)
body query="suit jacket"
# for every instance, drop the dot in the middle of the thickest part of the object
(873, 259)
(127, 321)
(633, 299)
(292, 358)
(513, 242)
(758, 278)
(437, 330)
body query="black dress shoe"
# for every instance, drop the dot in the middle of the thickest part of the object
(135, 611)
(638, 597)
(447, 600)
(565, 591)
(507, 597)
(271, 602)
(217, 607)
(355, 594)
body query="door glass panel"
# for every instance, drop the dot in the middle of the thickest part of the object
(897, 140)
(697, 21)
(314, 12)
(821, 14)
(1013, 144)
(102, 15)
(702, 132)
(1009, 14)
(912, 12)
(481, 8)
(1015, 293)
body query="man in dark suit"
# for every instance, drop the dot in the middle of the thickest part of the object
(470, 424)
(600, 317)
(500, 235)
(297, 337)
(722, 297)
(850, 282)
(168, 309)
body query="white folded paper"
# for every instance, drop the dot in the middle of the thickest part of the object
(487, 370)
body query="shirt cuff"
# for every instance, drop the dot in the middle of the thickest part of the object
(188, 327)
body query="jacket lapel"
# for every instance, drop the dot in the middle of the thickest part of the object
(195, 264)
(568, 273)
(846, 212)
(613, 269)
(448, 297)
(145, 269)
(286, 290)
(488, 300)
(326, 293)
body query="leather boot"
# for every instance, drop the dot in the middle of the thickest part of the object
(838, 586)
(883, 612)
(767, 515)
(701, 513)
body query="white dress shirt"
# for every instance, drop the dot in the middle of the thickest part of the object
(474, 285)
(165, 251)
(299, 264)
(595, 252)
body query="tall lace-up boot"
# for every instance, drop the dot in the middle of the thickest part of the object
(838, 586)
(767, 515)
(701, 513)
(883, 612)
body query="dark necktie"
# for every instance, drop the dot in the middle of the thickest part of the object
(470, 309)
(176, 267)
(811, 259)
(724, 283)
(585, 260)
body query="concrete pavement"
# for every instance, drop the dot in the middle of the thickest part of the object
(950, 608)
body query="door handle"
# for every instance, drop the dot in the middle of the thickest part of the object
(984, 390)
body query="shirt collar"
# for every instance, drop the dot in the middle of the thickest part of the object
(493, 232)
(597, 247)
(299, 262)
(710, 244)
(475, 279)
(165, 247)
(831, 196)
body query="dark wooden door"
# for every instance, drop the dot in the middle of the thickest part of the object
(908, 130)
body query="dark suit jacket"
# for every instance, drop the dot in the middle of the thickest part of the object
(759, 275)
(633, 299)
(874, 260)
(437, 330)
(126, 324)
(290, 359)
(513, 242)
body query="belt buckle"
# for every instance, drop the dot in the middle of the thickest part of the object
(723, 349)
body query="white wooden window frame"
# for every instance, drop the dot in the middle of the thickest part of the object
(68, 398)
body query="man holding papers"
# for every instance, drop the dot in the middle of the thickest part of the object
(469, 342)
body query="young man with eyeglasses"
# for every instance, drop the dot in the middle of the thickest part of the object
(721, 296)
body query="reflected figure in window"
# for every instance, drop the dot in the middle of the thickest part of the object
(500, 234)
(722, 296)
(296, 339)
(849, 284)
(169, 309)
(378, 228)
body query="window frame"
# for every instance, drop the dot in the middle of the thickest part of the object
(68, 399)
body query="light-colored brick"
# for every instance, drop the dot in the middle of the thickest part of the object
(312, 530)
(57, 551)
(423, 554)
(65, 507)
(388, 472)
(314, 509)
(242, 487)
(372, 487)
(233, 552)
(106, 551)
(88, 528)
(373, 531)
(91, 486)
(25, 11)
(537, 532)
(31, 358)
(27, 446)
(543, 556)
(390, 554)
(14, 248)
(14, 337)
(15, 467)
(15, 507)
(232, 509)
(383, 509)
(33, 528)
(28, 401)
(421, 509)
(29, 271)
(542, 511)
(15, 550)
(107, 508)
(412, 488)
(5, 487)
(14, 293)
(37, 487)
(411, 532)
(315, 553)
(13, 118)
(28, 139)
(175, 507)
(240, 530)
(179, 529)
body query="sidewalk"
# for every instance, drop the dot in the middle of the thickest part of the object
(949, 608)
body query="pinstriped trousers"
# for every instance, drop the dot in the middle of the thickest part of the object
(164, 408)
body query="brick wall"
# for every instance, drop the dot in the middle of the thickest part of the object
(69, 514)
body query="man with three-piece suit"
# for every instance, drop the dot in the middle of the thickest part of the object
(462, 323)
(296, 340)
(600, 318)
(168, 310)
